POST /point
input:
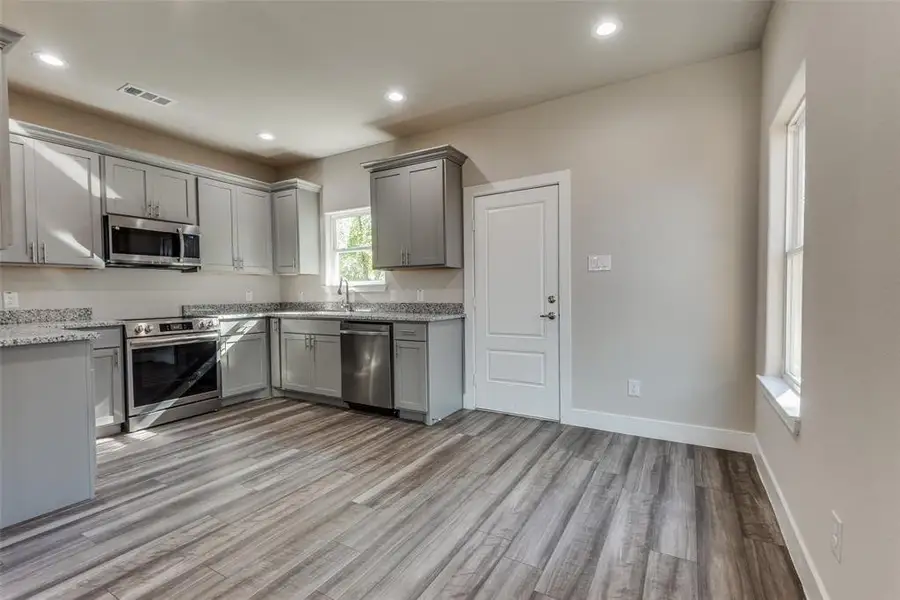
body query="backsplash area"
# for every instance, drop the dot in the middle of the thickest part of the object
(436, 285)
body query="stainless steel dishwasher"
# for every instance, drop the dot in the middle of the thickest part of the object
(366, 370)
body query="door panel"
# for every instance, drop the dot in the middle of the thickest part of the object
(284, 212)
(127, 187)
(67, 197)
(327, 365)
(411, 376)
(175, 195)
(516, 271)
(426, 188)
(245, 365)
(390, 217)
(254, 230)
(296, 362)
(217, 249)
(22, 217)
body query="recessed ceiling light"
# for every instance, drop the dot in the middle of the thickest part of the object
(50, 59)
(265, 135)
(395, 96)
(606, 28)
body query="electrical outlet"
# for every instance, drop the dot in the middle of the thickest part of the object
(301, 297)
(10, 300)
(634, 388)
(837, 536)
(420, 295)
(248, 295)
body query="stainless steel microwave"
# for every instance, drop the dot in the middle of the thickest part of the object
(135, 242)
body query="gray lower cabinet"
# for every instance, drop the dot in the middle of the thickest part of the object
(310, 355)
(109, 390)
(245, 364)
(411, 376)
(428, 369)
(109, 381)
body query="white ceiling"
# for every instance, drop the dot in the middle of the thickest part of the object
(315, 74)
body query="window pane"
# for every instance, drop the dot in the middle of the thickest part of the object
(353, 232)
(356, 266)
(794, 316)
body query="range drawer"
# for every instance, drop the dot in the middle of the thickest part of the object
(243, 326)
(313, 326)
(414, 332)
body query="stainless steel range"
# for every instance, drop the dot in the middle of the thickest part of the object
(173, 369)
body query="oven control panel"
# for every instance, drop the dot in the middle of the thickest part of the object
(171, 327)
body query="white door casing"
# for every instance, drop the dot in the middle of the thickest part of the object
(517, 362)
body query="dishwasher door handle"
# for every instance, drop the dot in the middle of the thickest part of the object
(372, 333)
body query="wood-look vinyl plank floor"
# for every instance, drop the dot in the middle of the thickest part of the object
(283, 499)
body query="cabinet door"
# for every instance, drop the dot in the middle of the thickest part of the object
(297, 362)
(327, 378)
(390, 217)
(109, 392)
(67, 197)
(411, 376)
(245, 364)
(174, 194)
(284, 213)
(254, 230)
(217, 244)
(426, 213)
(127, 189)
(308, 226)
(23, 226)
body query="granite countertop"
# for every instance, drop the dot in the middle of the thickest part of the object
(27, 334)
(404, 317)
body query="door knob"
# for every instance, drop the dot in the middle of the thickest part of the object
(550, 315)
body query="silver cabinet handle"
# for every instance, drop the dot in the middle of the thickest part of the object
(396, 350)
(294, 263)
(116, 361)
(156, 211)
(550, 315)
(44, 252)
(34, 257)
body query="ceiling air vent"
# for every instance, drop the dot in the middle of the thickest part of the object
(148, 96)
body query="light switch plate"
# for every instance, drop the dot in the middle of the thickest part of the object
(600, 262)
(10, 300)
(248, 295)
(634, 388)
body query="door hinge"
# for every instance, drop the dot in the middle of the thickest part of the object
(473, 223)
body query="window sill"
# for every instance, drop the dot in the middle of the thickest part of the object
(375, 286)
(783, 399)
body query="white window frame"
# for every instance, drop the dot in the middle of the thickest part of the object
(795, 207)
(332, 277)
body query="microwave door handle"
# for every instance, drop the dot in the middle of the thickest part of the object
(181, 245)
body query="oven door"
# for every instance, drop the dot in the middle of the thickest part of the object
(169, 371)
(131, 241)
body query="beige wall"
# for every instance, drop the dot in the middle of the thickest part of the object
(664, 178)
(66, 117)
(847, 456)
(117, 293)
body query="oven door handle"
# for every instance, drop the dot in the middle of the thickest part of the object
(173, 340)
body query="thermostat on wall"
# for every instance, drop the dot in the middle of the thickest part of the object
(600, 262)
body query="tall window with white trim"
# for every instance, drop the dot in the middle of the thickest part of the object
(793, 247)
(349, 249)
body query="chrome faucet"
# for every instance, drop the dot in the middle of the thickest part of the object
(345, 297)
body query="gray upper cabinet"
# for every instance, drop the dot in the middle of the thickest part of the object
(295, 223)
(417, 209)
(8, 39)
(236, 227)
(55, 212)
(139, 190)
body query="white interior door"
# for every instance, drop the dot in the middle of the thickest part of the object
(516, 290)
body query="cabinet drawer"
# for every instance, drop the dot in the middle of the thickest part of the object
(110, 337)
(416, 332)
(243, 326)
(314, 326)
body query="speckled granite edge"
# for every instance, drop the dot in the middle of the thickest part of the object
(20, 316)
(257, 308)
(35, 333)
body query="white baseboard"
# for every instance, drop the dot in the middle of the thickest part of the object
(698, 435)
(803, 563)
